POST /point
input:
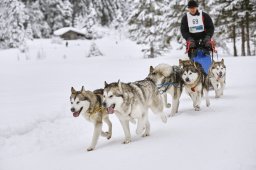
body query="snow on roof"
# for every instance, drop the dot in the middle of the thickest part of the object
(62, 31)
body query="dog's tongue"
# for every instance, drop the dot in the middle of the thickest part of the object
(76, 114)
(111, 110)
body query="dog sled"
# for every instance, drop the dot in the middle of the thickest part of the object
(201, 55)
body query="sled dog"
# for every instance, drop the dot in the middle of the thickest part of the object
(169, 81)
(217, 77)
(132, 101)
(89, 105)
(195, 83)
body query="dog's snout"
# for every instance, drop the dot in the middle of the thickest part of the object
(104, 104)
(72, 109)
(187, 79)
(220, 73)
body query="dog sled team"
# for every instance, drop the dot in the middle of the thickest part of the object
(130, 102)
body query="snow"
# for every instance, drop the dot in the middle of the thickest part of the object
(62, 31)
(38, 131)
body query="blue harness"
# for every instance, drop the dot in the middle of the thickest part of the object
(203, 59)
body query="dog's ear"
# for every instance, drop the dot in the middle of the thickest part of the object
(222, 61)
(151, 69)
(82, 89)
(172, 70)
(73, 91)
(105, 84)
(180, 62)
(120, 86)
(194, 63)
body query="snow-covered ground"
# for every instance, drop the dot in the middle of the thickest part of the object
(38, 131)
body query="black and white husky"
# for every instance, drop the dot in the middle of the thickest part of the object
(169, 81)
(217, 77)
(131, 101)
(89, 105)
(195, 83)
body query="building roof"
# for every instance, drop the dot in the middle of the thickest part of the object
(64, 30)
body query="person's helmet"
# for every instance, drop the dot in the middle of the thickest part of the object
(192, 4)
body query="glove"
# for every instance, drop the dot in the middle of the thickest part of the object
(191, 43)
(207, 42)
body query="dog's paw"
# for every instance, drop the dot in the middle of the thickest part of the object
(171, 114)
(207, 104)
(133, 121)
(168, 105)
(104, 134)
(197, 108)
(108, 135)
(145, 134)
(164, 118)
(139, 131)
(217, 96)
(90, 149)
(126, 141)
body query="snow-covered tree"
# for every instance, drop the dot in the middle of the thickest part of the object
(174, 11)
(94, 50)
(106, 11)
(87, 21)
(146, 26)
(39, 26)
(67, 13)
(12, 23)
(56, 13)
(79, 8)
(233, 20)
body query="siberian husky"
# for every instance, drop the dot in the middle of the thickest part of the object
(217, 77)
(168, 80)
(195, 83)
(132, 101)
(89, 105)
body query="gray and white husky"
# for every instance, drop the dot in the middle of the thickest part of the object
(169, 81)
(131, 101)
(217, 77)
(195, 83)
(89, 105)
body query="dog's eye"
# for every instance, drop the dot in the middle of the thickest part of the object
(110, 96)
(77, 102)
(190, 73)
(71, 102)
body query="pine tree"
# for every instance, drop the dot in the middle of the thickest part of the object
(174, 12)
(12, 20)
(146, 26)
(94, 50)
(56, 13)
(106, 11)
(87, 21)
(67, 13)
(224, 15)
(234, 15)
(39, 26)
(79, 9)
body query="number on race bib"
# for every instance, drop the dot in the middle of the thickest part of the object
(195, 21)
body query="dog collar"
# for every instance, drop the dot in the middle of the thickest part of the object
(193, 89)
